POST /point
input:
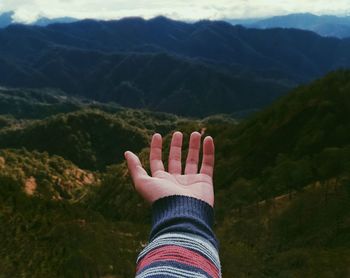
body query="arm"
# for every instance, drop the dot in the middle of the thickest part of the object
(182, 242)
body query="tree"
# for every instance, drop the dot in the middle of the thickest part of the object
(243, 192)
(330, 163)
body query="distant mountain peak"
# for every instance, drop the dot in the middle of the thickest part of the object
(6, 18)
(324, 25)
(298, 14)
(44, 21)
(9, 13)
(161, 18)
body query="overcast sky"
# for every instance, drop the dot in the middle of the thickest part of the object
(29, 10)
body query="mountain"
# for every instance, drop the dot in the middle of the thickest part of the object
(44, 21)
(155, 81)
(34, 119)
(29, 104)
(167, 65)
(6, 19)
(83, 138)
(325, 25)
(300, 125)
(210, 41)
(34, 103)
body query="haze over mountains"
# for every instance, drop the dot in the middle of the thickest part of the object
(325, 25)
(198, 68)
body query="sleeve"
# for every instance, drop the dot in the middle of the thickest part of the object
(182, 242)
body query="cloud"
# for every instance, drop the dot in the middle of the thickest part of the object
(29, 10)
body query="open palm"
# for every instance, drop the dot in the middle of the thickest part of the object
(172, 182)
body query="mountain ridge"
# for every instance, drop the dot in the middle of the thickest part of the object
(325, 25)
(144, 63)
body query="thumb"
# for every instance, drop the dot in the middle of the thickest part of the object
(136, 170)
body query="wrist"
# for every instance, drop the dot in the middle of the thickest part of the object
(179, 213)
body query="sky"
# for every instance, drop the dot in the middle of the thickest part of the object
(30, 10)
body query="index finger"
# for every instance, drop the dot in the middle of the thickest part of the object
(155, 157)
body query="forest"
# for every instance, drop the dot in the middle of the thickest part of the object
(282, 185)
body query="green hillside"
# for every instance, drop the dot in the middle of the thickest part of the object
(68, 208)
(306, 236)
(302, 138)
(91, 139)
(305, 122)
(32, 103)
(46, 230)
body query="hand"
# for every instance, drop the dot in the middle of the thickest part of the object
(163, 183)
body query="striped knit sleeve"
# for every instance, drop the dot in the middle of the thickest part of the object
(182, 242)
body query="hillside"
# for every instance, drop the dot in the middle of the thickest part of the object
(92, 139)
(306, 236)
(34, 103)
(196, 69)
(295, 130)
(281, 181)
(303, 123)
(46, 230)
(300, 139)
(43, 176)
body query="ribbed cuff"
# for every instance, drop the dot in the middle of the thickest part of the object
(182, 214)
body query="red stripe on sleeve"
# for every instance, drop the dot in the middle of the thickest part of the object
(180, 255)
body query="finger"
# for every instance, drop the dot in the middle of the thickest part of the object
(155, 157)
(174, 165)
(193, 154)
(208, 156)
(136, 170)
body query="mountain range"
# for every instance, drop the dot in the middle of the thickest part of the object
(324, 25)
(192, 69)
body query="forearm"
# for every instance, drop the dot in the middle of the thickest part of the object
(182, 243)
